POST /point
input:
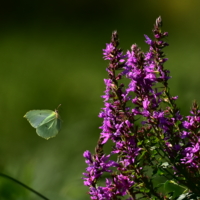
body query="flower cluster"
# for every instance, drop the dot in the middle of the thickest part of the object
(149, 135)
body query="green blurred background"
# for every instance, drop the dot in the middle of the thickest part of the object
(51, 54)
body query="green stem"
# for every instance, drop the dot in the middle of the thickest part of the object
(20, 183)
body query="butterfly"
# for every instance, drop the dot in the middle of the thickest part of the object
(46, 122)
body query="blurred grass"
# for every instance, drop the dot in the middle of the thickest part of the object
(42, 67)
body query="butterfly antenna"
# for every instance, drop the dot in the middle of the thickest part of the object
(58, 106)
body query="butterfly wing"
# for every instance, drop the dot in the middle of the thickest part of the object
(49, 129)
(38, 117)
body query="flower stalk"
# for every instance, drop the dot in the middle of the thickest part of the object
(151, 140)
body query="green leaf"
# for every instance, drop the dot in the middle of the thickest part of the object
(46, 122)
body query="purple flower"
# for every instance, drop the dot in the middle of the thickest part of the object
(123, 184)
(191, 137)
(108, 51)
(109, 84)
(146, 103)
(148, 40)
(96, 167)
(192, 156)
(161, 133)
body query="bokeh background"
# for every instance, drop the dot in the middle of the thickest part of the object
(51, 54)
